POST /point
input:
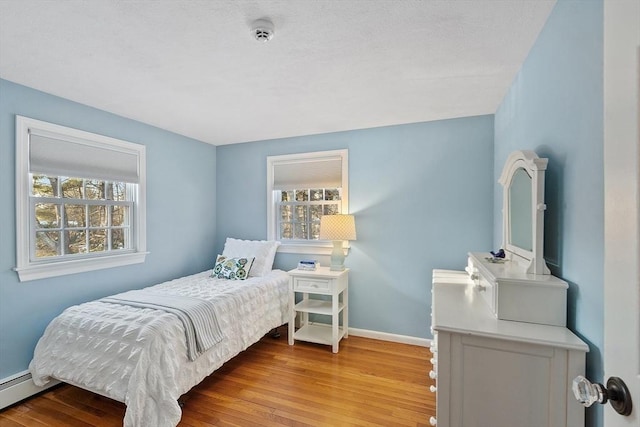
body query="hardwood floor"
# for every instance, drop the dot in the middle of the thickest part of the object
(368, 383)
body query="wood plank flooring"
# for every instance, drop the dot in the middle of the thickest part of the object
(368, 383)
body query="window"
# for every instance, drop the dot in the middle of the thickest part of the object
(80, 201)
(301, 188)
(78, 216)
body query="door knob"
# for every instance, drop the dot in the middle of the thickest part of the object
(616, 393)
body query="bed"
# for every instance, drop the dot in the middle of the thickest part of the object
(139, 355)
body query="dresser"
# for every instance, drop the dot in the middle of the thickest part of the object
(494, 372)
(502, 355)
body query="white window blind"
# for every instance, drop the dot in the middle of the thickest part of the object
(323, 172)
(54, 155)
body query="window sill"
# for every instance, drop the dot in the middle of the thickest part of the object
(53, 269)
(309, 248)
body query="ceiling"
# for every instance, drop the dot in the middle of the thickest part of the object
(192, 66)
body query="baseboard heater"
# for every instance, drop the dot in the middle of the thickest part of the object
(18, 387)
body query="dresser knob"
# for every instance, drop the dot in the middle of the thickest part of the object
(433, 375)
(433, 421)
(473, 274)
(433, 361)
(433, 389)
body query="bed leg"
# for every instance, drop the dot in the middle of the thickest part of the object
(274, 333)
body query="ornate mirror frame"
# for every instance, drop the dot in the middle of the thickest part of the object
(531, 258)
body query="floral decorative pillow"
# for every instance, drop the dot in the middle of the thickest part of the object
(232, 268)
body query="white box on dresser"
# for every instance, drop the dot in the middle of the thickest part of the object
(514, 294)
(492, 372)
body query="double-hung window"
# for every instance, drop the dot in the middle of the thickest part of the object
(80, 200)
(301, 189)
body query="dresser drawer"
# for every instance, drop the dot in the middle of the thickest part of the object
(488, 292)
(302, 284)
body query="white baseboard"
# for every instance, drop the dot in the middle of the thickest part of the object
(384, 336)
(18, 387)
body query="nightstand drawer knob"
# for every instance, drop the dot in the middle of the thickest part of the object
(433, 375)
(433, 421)
(433, 389)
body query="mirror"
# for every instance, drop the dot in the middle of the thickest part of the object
(523, 210)
(520, 219)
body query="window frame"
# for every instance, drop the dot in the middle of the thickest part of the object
(31, 269)
(314, 247)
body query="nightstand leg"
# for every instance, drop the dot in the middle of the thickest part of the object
(334, 321)
(292, 313)
(345, 312)
(304, 316)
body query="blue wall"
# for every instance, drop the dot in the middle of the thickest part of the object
(422, 195)
(181, 200)
(555, 107)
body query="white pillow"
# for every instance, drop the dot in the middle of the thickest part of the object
(264, 252)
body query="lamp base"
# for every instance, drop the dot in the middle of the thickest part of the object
(337, 256)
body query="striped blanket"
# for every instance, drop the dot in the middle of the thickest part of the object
(198, 316)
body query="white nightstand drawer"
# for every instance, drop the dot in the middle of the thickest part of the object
(312, 284)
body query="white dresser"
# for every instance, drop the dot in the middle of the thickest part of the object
(491, 372)
(502, 356)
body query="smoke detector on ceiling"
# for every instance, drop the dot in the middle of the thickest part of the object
(262, 30)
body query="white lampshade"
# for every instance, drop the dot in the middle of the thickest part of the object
(337, 227)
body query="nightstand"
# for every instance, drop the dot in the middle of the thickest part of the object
(321, 281)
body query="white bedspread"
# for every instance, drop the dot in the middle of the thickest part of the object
(198, 316)
(138, 355)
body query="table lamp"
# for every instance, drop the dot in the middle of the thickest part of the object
(337, 228)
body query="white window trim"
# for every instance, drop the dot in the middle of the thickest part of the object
(28, 270)
(311, 247)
